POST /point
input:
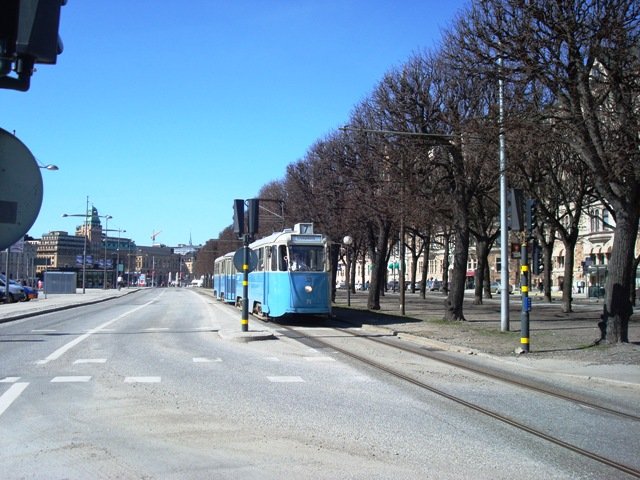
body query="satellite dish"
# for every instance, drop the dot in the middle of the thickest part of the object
(20, 189)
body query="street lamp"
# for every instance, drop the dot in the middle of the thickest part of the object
(49, 166)
(348, 241)
(84, 251)
(435, 139)
(120, 231)
(106, 230)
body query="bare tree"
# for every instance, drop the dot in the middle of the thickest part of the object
(585, 54)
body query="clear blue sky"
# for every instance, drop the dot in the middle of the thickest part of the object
(163, 112)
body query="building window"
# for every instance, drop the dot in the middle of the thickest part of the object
(605, 220)
(595, 221)
(498, 264)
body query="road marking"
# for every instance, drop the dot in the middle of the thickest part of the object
(320, 359)
(9, 379)
(285, 379)
(71, 379)
(43, 330)
(205, 360)
(10, 395)
(65, 348)
(91, 360)
(142, 380)
(272, 359)
(155, 329)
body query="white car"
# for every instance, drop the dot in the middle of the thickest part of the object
(496, 287)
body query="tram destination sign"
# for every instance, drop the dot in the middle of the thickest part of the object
(307, 238)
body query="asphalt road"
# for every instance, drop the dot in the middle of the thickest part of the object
(144, 386)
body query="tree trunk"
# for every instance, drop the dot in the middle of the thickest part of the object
(378, 254)
(547, 260)
(634, 293)
(455, 299)
(445, 262)
(482, 252)
(569, 262)
(425, 268)
(335, 256)
(614, 325)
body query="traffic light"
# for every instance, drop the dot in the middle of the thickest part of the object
(28, 35)
(37, 36)
(238, 217)
(537, 259)
(253, 216)
(531, 216)
(514, 210)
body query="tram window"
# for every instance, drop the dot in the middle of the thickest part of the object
(260, 265)
(267, 258)
(307, 258)
(274, 258)
(282, 256)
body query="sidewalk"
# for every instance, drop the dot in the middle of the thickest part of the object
(56, 302)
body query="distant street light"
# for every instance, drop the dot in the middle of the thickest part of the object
(84, 251)
(49, 166)
(120, 231)
(348, 241)
(106, 229)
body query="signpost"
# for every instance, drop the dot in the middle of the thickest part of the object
(245, 260)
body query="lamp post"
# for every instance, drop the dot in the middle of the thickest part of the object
(84, 250)
(119, 230)
(106, 230)
(436, 139)
(348, 241)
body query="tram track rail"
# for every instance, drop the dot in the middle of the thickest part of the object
(421, 352)
(516, 380)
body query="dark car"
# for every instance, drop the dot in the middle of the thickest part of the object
(30, 293)
(15, 294)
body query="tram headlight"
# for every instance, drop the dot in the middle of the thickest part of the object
(308, 288)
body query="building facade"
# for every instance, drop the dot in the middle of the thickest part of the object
(592, 254)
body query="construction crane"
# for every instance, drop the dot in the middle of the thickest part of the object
(154, 235)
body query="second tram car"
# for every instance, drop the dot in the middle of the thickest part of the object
(292, 275)
(225, 278)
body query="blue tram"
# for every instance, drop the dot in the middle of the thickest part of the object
(292, 274)
(225, 279)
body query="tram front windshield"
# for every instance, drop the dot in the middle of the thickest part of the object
(309, 258)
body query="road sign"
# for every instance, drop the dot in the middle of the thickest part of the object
(20, 189)
(238, 259)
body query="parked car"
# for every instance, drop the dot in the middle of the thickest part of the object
(15, 294)
(393, 285)
(434, 286)
(30, 293)
(496, 287)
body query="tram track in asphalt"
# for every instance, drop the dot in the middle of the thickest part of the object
(434, 355)
(502, 376)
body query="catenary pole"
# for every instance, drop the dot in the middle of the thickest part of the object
(504, 232)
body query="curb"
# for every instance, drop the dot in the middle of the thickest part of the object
(246, 337)
(60, 308)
